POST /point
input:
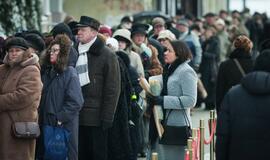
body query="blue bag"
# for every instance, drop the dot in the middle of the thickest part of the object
(55, 142)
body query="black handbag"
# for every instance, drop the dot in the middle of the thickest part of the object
(176, 135)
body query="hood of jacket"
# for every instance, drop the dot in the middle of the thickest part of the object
(257, 83)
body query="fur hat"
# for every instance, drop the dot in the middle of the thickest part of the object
(86, 21)
(243, 42)
(62, 61)
(16, 42)
(35, 41)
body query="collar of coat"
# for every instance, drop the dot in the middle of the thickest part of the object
(96, 47)
(28, 59)
(240, 53)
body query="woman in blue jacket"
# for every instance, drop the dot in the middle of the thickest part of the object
(61, 98)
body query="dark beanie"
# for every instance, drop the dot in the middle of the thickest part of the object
(16, 42)
(62, 28)
(73, 26)
(35, 41)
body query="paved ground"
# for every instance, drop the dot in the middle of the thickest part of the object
(198, 114)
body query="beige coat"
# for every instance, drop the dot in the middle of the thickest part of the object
(20, 91)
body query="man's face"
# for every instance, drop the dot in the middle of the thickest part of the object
(138, 38)
(182, 28)
(86, 34)
(158, 28)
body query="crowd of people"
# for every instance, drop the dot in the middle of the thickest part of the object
(83, 77)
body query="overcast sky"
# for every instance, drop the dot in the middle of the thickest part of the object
(254, 5)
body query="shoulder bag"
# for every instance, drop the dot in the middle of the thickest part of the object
(25, 129)
(239, 67)
(176, 135)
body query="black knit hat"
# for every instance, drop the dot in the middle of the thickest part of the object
(35, 41)
(86, 21)
(16, 42)
(139, 28)
(62, 28)
(73, 26)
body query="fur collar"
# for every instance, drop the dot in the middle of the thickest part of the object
(28, 59)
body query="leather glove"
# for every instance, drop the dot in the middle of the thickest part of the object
(155, 100)
(106, 125)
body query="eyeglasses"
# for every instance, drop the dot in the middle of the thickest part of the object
(53, 51)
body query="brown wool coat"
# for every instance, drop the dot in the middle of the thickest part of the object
(20, 91)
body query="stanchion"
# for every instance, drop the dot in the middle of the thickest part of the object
(195, 143)
(211, 120)
(190, 149)
(186, 154)
(201, 139)
(154, 156)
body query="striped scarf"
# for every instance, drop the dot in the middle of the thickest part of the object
(82, 62)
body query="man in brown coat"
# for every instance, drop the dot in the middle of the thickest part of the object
(20, 91)
(99, 75)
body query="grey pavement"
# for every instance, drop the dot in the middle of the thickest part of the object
(197, 115)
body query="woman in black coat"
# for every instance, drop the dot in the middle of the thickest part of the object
(229, 73)
(209, 65)
(61, 98)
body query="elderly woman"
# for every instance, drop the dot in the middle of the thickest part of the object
(20, 90)
(178, 95)
(61, 98)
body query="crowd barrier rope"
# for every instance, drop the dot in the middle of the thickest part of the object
(196, 143)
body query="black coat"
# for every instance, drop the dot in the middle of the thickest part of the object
(119, 144)
(243, 121)
(209, 67)
(229, 74)
(102, 93)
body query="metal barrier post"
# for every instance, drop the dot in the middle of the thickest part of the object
(211, 120)
(195, 139)
(186, 154)
(154, 156)
(194, 133)
(190, 149)
(202, 139)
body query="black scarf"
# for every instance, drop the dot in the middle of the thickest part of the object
(168, 70)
